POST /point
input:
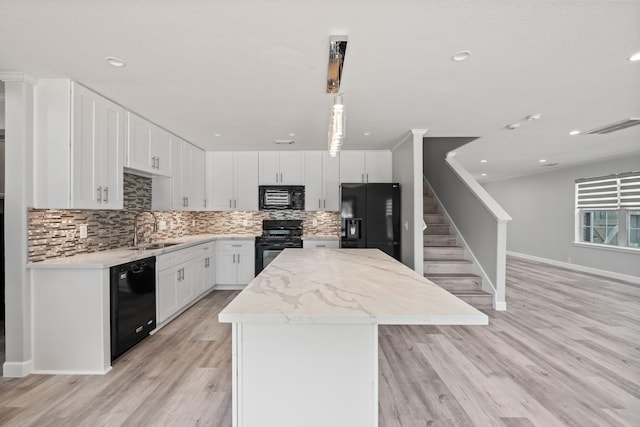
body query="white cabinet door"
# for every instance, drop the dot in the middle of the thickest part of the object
(245, 264)
(185, 283)
(139, 143)
(352, 167)
(161, 150)
(330, 182)
(177, 194)
(209, 277)
(291, 167)
(97, 156)
(167, 294)
(198, 199)
(269, 167)
(378, 166)
(220, 180)
(86, 187)
(236, 262)
(226, 267)
(246, 181)
(112, 132)
(313, 197)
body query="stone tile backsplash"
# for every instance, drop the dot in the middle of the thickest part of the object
(55, 233)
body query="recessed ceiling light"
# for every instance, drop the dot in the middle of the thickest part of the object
(534, 117)
(483, 161)
(292, 134)
(574, 132)
(542, 160)
(216, 134)
(283, 141)
(513, 126)
(116, 62)
(484, 174)
(635, 57)
(461, 56)
(367, 133)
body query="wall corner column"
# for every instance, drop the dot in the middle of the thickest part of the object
(19, 120)
(418, 216)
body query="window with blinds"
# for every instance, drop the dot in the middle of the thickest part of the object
(608, 209)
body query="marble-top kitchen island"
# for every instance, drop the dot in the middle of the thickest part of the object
(305, 334)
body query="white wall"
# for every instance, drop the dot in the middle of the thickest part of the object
(407, 171)
(543, 210)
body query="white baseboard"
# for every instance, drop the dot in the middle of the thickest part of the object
(17, 369)
(576, 267)
(72, 372)
(500, 306)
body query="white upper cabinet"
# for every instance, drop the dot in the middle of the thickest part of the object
(79, 147)
(198, 201)
(365, 166)
(148, 146)
(322, 181)
(281, 167)
(232, 180)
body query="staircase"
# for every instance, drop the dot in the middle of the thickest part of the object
(444, 260)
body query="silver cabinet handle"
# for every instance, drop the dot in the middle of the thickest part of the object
(280, 177)
(205, 203)
(362, 177)
(106, 194)
(230, 203)
(318, 203)
(234, 258)
(276, 177)
(153, 162)
(158, 160)
(367, 177)
(236, 246)
(235, 203)
(99, 191)
(238, 258)
(321, 246)
(324, 202)
(187, 198)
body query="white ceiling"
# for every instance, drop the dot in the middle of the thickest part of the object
(255, 71)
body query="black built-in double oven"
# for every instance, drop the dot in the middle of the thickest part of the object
(277, 235)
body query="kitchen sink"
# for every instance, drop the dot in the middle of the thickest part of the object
(150, 246)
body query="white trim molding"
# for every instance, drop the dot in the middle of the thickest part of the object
(577, 267)
(17, 76)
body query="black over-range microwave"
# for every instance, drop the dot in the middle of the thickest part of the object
(277, 197)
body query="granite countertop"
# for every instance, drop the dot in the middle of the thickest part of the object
(113, 257)
(346, 286)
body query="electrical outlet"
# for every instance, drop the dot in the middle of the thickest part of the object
(193, 222)
(245, 223)
(314, 222)
(162, 225)
(84, 229)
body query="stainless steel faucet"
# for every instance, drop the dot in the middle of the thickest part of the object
(135, 225)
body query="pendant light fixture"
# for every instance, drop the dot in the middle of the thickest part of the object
(336, 126)
(337, 51)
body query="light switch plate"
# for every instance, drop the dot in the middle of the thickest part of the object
(162, 225)
(83, 230)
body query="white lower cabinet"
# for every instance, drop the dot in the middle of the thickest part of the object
(319, 244)
(235, 262)
(183, 276)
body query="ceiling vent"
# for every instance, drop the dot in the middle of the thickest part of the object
(623, 124)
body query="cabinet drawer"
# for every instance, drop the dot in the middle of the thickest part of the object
(332, 244)
(174, 258)
(235, 245)
(204, 247)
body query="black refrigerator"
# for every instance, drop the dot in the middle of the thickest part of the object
(370, 217)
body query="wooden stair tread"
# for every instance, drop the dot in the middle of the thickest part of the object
(449, 261)
(470, 292)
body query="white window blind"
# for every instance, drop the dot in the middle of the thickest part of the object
(609, 192)
(629, 190)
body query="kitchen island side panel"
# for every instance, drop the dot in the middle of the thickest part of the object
(305, 375)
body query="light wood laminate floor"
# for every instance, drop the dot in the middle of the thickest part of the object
(567, 352)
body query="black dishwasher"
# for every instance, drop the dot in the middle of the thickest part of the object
(133, 304)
